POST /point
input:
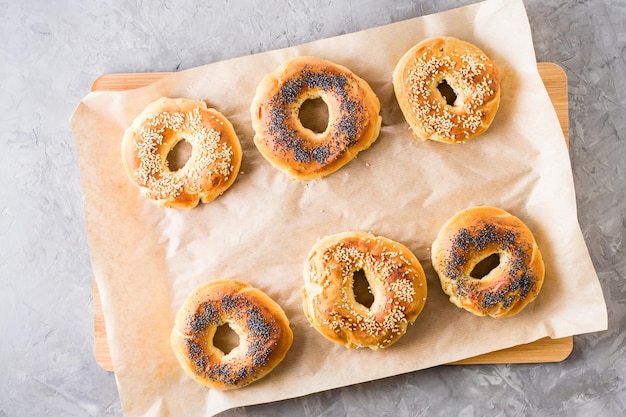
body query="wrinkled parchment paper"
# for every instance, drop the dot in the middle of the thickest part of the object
(147, 259)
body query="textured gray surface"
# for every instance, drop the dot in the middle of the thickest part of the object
(50, 53)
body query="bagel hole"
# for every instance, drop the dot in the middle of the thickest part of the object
(225, 338)
(361, 289)
(179, 155)
(485, 266)
(314, 115)
(447, 92)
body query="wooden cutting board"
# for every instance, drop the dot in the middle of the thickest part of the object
(542, 350)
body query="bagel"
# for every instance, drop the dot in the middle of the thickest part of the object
(210, 170)
(396, 280)
(474, 235)
(262, 326)
(473, 78)
(353, 112)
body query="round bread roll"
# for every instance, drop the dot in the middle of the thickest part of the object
(422, 76)
(215, 153)
(353, 113)
(396, 280)
(494, 236)
(262, 326)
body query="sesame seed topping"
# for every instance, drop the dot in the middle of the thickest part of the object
(390, 274)
(210, 156)
(466, 72)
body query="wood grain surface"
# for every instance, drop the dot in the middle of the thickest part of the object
(540, 351)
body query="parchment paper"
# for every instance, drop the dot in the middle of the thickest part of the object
(147, 259)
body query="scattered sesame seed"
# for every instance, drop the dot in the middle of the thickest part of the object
(390, 271)
(209, 156)
(470, 82)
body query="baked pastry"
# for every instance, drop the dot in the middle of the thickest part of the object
(396, 280)
(472, 81)
(488, 234)
(262, 326)
(353, 113)
(210, 170)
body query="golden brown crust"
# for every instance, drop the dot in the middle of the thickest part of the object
(263, 328)
(353, 113)
(473, 235)
(474, 78)
(396, 280)
(212, 167)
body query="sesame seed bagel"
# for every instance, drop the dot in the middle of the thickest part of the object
(396, 280)
(515, 275)
(262, 326)
(353, 117)
(215, 153)
(474, 79)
